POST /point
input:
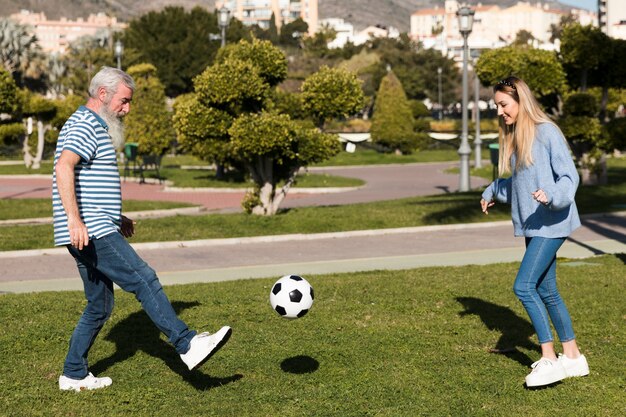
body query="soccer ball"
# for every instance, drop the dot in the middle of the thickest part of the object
(291, 296)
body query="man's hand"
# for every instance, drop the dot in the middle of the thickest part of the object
(79, 236)
(128, 227)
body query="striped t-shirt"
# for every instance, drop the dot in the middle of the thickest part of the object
(96, 176)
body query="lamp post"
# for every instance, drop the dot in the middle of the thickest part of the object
(466, 19)
(439, 98)
(223, 19)
(119, 51)
(477, 141)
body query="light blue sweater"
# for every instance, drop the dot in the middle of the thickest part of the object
(554, 172)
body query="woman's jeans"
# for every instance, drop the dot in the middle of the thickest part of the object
(535, 286)
(102, 263)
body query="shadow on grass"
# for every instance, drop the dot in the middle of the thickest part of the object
(515, 331)
(457, 208)
(138, 333)
(301, 364)
(605, 227)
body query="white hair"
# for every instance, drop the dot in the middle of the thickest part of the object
(109, 78)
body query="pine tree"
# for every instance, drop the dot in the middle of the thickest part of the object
(392, 123)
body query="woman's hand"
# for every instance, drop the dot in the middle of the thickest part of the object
(484, 205)
(540, 196)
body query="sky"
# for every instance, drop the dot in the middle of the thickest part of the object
(582, 4)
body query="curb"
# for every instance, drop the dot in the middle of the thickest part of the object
(268, 239)
(294, 237)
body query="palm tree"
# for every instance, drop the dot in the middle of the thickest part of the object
(20, 53)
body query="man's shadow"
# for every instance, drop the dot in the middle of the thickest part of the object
(516, 332)
(138, 333)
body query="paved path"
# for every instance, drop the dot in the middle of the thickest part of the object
(385, 182)
(273, 256)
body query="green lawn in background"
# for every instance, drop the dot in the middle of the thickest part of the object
(416, 211)
(29, 208)
(20, 169)
(381, 343)
(364, 156)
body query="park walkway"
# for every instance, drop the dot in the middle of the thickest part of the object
(273, 256)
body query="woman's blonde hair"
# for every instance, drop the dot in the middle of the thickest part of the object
(518, 138)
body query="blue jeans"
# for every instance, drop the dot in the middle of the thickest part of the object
(535, 286)
(102, 263)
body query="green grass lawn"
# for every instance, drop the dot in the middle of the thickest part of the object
(409, 212)
(29, 208)
(364, 156)
(417, 211)
(381, 343)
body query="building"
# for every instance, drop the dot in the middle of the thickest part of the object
(493, 27)
(612, 17)
(344, 31)
(259, 12)
(54, 36)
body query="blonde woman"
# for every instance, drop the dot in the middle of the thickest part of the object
(541, 192)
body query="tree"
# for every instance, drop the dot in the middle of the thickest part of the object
(149, 124)
(588, 141)
(392, 123)
(291, 33)
(609, 75)
(538, 68)
(317, 45)
(331, 93)
(231, 118)
(556, 30)
(19, 51)
(523, 38)
(83, 60)
(37, 113)
(415, 68)
(583, 49)
(8, 91)
(202, 130)
(183, 50)
(272, 31)
(274, 148)
(10, 129)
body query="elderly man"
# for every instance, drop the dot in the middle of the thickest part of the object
(87, 204)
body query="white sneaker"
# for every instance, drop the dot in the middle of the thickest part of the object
(545, 372)
(575, 367)
(87, 383)
(204, 345)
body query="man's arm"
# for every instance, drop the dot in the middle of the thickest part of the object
(66, 185)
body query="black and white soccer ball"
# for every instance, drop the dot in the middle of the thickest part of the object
(292, 296)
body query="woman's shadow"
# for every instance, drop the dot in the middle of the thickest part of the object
(516, 332)
(138, 333)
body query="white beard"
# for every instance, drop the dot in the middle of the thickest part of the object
(116, 127)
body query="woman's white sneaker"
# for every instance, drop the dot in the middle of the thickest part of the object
(87, 383)
(575, 367)
(545, 372)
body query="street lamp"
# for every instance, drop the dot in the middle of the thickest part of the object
(477, 141)
(466, 20)
(223, 19)
(439, 98)
(119, 51)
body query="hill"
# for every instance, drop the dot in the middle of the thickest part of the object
(361, 13)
